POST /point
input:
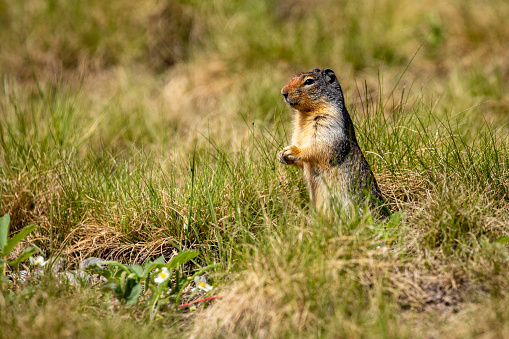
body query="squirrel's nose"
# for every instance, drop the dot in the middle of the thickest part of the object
(284, 91)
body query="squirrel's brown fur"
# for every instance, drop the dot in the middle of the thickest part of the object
(324, 144)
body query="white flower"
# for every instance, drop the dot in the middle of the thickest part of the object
(162, 276)
(39, 261)
(201, 284)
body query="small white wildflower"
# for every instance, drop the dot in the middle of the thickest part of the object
(201, 284)
(162, 276)
(39, 261)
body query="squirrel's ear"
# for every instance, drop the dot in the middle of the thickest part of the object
(330, 77)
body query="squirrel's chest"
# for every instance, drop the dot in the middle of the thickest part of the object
(318, 132)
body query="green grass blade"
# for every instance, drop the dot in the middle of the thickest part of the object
(27, 253)
(17, 238)
(181, 258)
(4, 232)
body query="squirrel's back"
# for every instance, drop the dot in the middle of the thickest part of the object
(324, 143)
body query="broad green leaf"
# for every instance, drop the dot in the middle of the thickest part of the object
(97, 269)
(116, 280)
(4, 232)
(17, 238)
(115, 264)
(137, 269)
(134, 293)
(159, 260)
(150, 265)
(29, 251)
(182, 258)
(149, 269)
(116, 272)
(113, 287)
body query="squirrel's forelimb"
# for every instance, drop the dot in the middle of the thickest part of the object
(296, 156)
(290, 155)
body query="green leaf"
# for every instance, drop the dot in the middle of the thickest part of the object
(123, 280)
(132, 276)
(149, 263)
(134, 293)
(4, 231)
(115, 264)
(182, 258)
(159, 260)
(27, 253)
(136, 269)
(97, 269)
(116, 272)
(113, 287)
(149, 269)
(17, 238)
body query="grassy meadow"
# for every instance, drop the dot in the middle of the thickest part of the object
(135, 129)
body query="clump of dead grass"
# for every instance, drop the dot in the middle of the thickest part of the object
(344, 283)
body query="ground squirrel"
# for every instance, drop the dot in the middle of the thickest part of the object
(324, 144)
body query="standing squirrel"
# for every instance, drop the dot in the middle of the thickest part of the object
(324, 144)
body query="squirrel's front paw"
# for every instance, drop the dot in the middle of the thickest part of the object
(288, 155)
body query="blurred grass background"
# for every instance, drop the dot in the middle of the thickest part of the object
(137, 129)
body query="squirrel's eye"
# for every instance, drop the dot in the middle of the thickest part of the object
(309, 81)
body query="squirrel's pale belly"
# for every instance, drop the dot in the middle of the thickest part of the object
(326, 185)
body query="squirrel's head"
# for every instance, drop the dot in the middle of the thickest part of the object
(313, 91)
